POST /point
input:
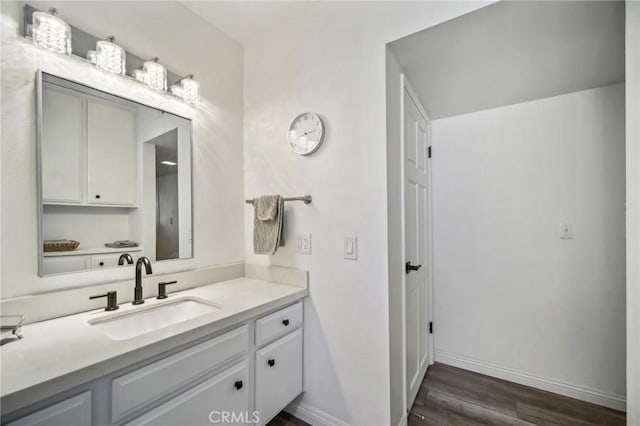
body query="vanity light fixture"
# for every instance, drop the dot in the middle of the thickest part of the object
(138, 75)
(92, 56)
(168, 163)
(155, 74)
(110, 56)
(187, 88)
(51, 32)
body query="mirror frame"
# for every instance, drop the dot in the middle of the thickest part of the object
(39, 81)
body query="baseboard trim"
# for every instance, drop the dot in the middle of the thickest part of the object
(313, 415)
(606, 399)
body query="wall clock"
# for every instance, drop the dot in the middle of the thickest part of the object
(306, 133)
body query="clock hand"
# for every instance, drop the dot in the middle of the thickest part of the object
(306, 133)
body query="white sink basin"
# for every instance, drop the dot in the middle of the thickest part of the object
(126, 325)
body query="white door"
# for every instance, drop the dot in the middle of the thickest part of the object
(416, 180)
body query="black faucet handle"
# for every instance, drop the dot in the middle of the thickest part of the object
(112, 300)
(162, 289)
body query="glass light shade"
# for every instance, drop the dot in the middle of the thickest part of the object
(92, 56)
(155, 75)
(110, 56)
(51, 32)
(190, 91)
(177, 90)
(138, 75)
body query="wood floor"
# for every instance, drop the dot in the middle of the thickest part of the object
(450, 396)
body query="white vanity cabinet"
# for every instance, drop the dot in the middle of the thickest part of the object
(278, 375)
(71, 411)
(205, 403)
(240, 376)
(89, 150)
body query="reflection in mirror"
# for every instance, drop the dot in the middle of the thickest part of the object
(115, 180)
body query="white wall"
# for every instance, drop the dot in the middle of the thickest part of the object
(633, 209)
(509, 293)
(163, 29)
(330, 59)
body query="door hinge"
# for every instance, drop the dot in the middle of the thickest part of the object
(430, 327)
(429, 153)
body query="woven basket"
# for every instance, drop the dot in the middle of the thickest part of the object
(61, 245)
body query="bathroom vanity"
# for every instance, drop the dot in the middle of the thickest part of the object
(240, 356)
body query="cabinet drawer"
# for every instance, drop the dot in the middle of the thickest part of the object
(133, 390)
(278, 323)
(104, 260)
(74, 411)
(60, 264)
(278, 375)
(205, 403)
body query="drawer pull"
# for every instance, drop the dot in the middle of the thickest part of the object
(285, 322)
(271, 362)
(238, 384)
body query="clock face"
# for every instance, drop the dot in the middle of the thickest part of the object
(306, 133)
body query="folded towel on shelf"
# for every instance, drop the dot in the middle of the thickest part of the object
(268, 232)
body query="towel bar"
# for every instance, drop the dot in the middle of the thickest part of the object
(305, 198)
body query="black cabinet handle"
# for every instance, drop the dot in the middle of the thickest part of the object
(408, 267)
(97, 195)
(101, 263)
(238, 384)
(271, 362)
(285, 322)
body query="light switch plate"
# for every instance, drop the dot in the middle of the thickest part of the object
(351, 248)
(566, 231)
(303, 243)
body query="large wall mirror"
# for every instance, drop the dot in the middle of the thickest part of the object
(114, 180)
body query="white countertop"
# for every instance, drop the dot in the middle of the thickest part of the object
(59, 354)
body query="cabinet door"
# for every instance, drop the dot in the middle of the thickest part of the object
(226, 394)
(278, 375)
(74, 411)
(62, 146)
(112, 154)
(60, 264)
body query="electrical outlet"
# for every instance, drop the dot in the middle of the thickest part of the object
(303, 243)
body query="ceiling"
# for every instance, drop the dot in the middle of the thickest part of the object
(242, 20)
(512, 52)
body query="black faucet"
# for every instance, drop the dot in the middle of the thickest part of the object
(137, 296)
(125, 257)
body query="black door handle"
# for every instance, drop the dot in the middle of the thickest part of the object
(408, 267)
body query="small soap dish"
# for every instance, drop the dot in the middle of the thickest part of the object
(12, 323)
